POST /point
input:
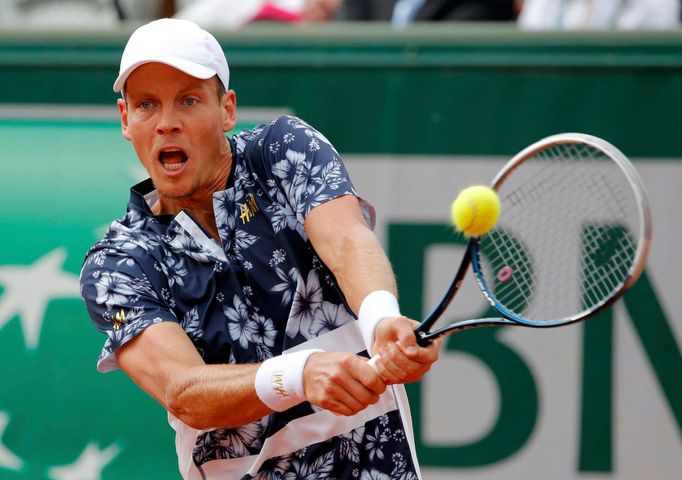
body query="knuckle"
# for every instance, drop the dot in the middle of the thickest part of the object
(346, 361)
(334, 377)
(328, 387)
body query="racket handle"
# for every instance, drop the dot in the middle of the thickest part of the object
(373, 361)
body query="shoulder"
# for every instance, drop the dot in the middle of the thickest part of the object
(284, 124)
(295, 131)
(133, 238)
(285, 131)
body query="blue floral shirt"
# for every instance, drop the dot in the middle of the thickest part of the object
(259, 293)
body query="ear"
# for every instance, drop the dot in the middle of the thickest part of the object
(228, 104)
(123, 109)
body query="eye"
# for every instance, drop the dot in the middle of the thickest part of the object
(189, 101)
(145, 104)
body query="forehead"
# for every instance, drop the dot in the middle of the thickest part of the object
(156, 76)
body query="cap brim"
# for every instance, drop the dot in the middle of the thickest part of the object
(190, 68)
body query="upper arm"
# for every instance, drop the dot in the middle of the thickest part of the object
(144, 336)
(122, 300)
(158, 357)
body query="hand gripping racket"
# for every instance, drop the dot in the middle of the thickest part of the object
(573, 236)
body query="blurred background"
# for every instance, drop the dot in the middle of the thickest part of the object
(422, 98)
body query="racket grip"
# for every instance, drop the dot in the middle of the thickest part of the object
(373, 361)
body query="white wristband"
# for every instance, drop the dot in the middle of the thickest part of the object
(375, 307)
(279, 380)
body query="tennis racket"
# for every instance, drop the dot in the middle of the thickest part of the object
(573, 236)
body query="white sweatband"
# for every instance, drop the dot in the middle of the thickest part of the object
(375, 307)
(279, 380)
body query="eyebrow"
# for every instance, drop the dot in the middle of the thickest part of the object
(194, 87)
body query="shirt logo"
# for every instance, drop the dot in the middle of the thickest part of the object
(278, 384)
(248, 210)
(119, 319)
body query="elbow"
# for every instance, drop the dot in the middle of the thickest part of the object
(180, 404)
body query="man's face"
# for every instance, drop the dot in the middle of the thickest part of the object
(176, 124)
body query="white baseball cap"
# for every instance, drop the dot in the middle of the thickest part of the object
(178, 43)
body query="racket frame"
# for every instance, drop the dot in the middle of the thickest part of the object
(472, 254)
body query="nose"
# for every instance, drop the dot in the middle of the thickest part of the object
(169, 121)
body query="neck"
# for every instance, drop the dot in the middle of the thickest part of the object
(200, 207)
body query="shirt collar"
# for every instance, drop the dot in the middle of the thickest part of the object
(138, 200)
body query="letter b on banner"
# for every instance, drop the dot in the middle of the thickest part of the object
(518, 394)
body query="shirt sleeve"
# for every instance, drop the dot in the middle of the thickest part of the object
(120, 299)
(306, 167)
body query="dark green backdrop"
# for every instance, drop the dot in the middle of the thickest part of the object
(437, 88)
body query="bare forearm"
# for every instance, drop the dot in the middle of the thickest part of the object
(215, 396)
(363, 268)
(352, 252)
(223, 396)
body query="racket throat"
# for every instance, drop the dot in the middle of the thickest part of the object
(422, 339)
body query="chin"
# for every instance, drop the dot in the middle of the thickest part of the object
(174, 194)
(171, 190)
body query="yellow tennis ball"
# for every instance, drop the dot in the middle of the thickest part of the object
(475, 210)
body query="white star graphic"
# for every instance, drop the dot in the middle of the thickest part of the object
(29, 288)
(7, 458)
(88, 466)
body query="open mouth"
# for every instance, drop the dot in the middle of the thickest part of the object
(173, 158)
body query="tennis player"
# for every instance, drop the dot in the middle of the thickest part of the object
(229, 291)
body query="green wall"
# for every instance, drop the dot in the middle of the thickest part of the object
(440, 89)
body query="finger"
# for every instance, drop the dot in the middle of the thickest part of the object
(408, 340)
(365, 386)
(369, 377)
(349, 404)
(399, 366)
(431, 352)
(357, 379)
(387, 372)
(423, 355)
(335, 394)
(339, 409)
(396, 354)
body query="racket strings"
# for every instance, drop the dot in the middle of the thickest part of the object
(601, 280)
(565, 240)
(544, 183)
(510, 256)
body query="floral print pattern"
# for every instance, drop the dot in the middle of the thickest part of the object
(262, 290)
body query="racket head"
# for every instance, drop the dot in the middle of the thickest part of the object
(573, 235)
